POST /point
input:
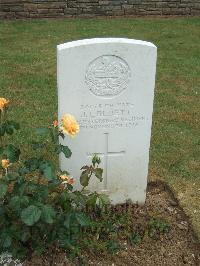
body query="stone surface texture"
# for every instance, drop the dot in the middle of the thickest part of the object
(88, 8)
(108, 85)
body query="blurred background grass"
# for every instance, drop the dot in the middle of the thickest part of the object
(28, 79)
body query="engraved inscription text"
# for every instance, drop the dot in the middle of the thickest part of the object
(110, 115)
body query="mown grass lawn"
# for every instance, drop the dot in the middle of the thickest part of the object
(28, 79)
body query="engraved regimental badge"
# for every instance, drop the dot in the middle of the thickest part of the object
(107, 75)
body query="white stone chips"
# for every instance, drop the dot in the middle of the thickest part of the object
(108, 85)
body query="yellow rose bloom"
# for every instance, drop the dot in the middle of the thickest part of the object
(3, 103)
(69, 125)
(5, 163)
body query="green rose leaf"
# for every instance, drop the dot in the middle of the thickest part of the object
(48, 214)
(92, 199)
(23, 171)
(12, 177)
(32, 164)
(12, 153)
(67, 152)
(82, 219)
(98, 173)
(40, 192)
(17, 202)
(58, 148)
(37, 145)
(48, 171)
(1, 150)
(85, 167)
(5, 240)
(85, 178)
(60, 134)
(9, 128)
(25, 235)
(2, 130)
(70, 220)
(13, 125)
(95, 160)
(67, 220)
(3, 190)
(104, 199)
(2, 210)
(31, 215)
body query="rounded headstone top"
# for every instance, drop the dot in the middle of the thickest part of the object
(102, 41)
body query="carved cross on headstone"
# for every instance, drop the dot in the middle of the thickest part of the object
(105, 156)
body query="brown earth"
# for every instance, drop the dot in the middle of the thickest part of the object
(177, 247)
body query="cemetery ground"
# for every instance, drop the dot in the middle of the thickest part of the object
(157, 233)
(28, 79)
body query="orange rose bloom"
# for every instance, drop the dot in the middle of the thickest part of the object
(5, 163)
(3, 103)
(69, 125)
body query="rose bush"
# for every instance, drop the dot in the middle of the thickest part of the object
(39, 208)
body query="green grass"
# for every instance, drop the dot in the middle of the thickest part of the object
(28, 78)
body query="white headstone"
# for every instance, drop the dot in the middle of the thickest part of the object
(108, 85)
